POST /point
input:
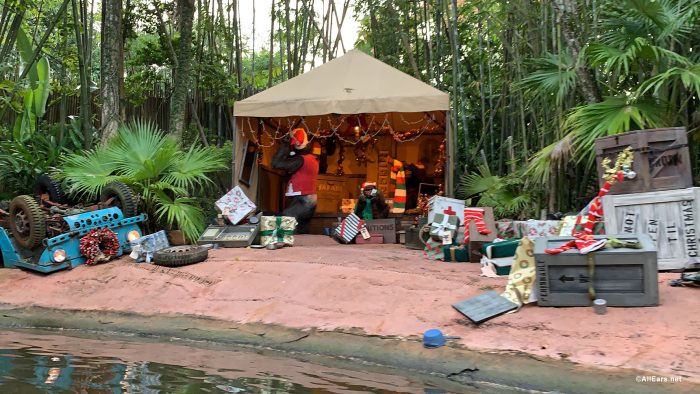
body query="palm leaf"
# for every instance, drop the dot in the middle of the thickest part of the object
(180, 212)
(689, 77)
(191, 168)
(87, 173)
(555, 75)
(611, 116)
(472, 184)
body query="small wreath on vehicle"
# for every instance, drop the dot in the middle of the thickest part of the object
(99, 246)
(177, 256)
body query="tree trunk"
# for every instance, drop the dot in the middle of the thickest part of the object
(111, 66)
(85, 95)
(271, 63)
(566, 11)
(178, 103)
(404, 40)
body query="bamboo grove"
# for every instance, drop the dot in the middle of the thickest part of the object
(533, 83)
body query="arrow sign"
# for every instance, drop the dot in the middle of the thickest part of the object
(565, 279)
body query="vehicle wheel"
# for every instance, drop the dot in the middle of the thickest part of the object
(27, 222)
(46, 187)
(177, 256)
(124, 198)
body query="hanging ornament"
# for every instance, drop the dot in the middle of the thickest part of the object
(442, 159)
(341, 158)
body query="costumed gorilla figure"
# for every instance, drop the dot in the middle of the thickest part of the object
(299, 161)
(371, 204)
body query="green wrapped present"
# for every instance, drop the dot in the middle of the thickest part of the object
(443, 224)
(277, 229)
(494, 250)
(456, 253)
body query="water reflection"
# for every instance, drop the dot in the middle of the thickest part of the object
(49, 363)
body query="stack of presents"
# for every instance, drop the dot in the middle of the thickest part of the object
(642, 221)
(237, 226)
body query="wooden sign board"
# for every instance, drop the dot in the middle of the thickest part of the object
(385, 227)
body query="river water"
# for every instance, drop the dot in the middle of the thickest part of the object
(47, 362)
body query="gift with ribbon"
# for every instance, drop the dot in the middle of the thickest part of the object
(277, 229)
(349, 228)
(444, 228)
(456, 253)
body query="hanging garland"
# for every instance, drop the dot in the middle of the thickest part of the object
(99, 245)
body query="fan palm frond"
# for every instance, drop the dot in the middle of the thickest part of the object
(191, 167)
(555, 75)
(611, 116)
(87, 173)
(688, 76)
(180, 212)
(471, 184)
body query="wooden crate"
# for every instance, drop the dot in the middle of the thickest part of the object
(669, 217)
(384, 227)
(661, 159)
(622, 277)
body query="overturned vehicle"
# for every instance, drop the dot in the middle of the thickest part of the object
(43, 233)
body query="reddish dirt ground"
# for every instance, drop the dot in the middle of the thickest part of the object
(382, 290)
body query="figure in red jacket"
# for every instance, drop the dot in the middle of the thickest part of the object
(296, 159)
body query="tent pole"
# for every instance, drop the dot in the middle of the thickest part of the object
(233, 152)
(450, 168)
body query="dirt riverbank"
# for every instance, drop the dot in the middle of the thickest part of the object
(370, 302)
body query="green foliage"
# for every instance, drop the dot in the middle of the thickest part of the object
(156, 166)
(555, 76)
(507, 195)
(22, 162)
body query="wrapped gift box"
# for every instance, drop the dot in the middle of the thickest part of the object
(494, 250)
(505, 229)
(373, 239)
(349, 228)
(456, 253)
(235, 205)
(277, 229)
(442, 223)
(571, 225)
(537, 228)
(446, 206)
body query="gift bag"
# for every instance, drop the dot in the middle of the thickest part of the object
(444, 228)
(235, 205)
(277, 229)
(349, 228)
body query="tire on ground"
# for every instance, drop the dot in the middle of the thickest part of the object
(47, 185)
(124, 198)
(27, 222)
(177, 256)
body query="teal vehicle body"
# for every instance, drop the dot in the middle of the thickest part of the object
(79, 225)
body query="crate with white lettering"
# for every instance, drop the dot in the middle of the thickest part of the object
(621, 276)
(670, 217)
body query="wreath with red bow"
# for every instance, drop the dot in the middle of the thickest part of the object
(99, 245)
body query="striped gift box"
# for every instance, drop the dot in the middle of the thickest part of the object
(349, 228)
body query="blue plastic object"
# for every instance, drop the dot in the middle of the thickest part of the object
(434, 338)
(80, 224)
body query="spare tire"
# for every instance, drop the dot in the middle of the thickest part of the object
(124, 198)
(47, 186)
(177, 256)
(27, 222)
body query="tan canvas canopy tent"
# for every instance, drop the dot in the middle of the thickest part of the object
(356, 106)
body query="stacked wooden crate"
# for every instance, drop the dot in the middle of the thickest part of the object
(660, 201)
